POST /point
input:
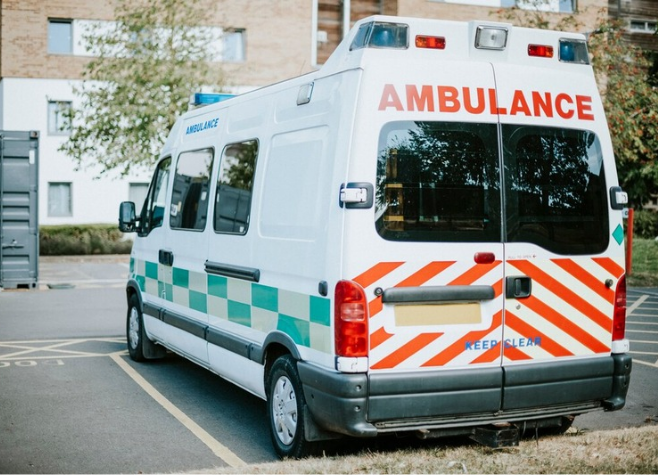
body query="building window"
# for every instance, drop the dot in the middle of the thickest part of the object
(561, 6)
(58, 117)
(643, 26)
(59, 200)
(568, 6)
(60, 36)
(234, 45)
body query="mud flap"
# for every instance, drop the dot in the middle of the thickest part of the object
(313, 432)
(153, 351)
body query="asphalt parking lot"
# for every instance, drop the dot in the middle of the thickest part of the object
(71, 401)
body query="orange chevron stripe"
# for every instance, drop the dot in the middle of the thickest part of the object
(527, 331)
(457, 347)
(489, 356)
(566, 294)
(515, 354)
(586, 278)
(498, 288)
(407, 350)
(379, 337)
(565, 324)
(426, 273)
(610, 265)
(376, 272)
(375, 306)
(474, 273)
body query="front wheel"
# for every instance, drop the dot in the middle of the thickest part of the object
(135, 330)
(285, 406)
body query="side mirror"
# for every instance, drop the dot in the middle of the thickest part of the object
(127, 217)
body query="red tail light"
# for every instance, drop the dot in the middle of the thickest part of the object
(619, 317)
(542, 51)
(351, 320)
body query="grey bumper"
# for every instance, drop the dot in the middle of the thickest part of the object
(365, 405)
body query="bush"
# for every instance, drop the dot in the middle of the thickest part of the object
(645, 224)
(75, 240)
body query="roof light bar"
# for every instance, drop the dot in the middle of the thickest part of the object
(204, 99)
(541, 51)
(430, 42)
(574, 51)
(376, 34)
(491, 37)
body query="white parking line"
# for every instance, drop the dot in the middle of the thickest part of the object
(654, 365)
(636, 304)
(218, 449)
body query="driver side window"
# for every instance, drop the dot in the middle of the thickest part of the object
(153, 210)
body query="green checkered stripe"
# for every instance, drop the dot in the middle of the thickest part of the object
(305, 318)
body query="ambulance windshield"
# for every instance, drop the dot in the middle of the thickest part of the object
(441, 182)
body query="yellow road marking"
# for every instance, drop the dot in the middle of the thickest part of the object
(218, 449)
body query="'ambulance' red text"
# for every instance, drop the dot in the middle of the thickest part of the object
(479, 100)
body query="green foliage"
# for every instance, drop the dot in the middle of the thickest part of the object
(627, 78)
(67, 240)
(631, 105)
(144, 68)
(645, 224)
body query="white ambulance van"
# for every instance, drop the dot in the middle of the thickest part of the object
(423, 236)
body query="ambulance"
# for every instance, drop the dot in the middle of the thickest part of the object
(423, 237)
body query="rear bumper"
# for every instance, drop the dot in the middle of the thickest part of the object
(366, 405)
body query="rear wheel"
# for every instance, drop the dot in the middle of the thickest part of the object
(135, 329)
(285, 406)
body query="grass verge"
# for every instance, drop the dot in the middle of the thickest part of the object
(633, 450)
(644, 268)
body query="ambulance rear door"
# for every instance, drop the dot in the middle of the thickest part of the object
(430, 256)
(563, 249)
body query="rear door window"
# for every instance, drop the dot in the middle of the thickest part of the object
(438, 181)
(555, 193)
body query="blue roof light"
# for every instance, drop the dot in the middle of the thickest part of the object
(204, 99)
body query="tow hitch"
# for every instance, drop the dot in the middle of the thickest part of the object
(497, 435)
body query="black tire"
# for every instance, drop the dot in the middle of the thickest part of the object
(135, 329)
(285, 408)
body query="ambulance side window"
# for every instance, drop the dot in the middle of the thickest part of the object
(152, 213)
(555, 189)
(235, 184)
(438, 181)
(189, 197)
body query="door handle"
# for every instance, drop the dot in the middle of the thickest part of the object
(518, 287)
(166, 257)
(13, 245)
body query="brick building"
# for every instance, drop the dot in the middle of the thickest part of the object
(641, 19)
(263, 41)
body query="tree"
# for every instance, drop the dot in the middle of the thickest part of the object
(145, 65)
(631, 105)
(628, 87)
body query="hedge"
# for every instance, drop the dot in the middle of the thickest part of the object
(645, 224)
(75, 240)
